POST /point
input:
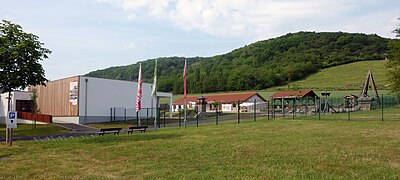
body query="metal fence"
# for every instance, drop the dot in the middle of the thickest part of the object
(372, 109)
(385, 108)
(143, 117)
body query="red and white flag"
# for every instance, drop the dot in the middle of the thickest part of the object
(139, 90)
(184, 80)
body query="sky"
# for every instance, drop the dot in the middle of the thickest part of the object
(87, 35)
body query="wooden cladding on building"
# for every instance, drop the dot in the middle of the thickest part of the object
(55, 98)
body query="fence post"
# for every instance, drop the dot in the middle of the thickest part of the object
(294, 108)
(179, 114)
(197, 116)
(255, 109)
(147, 117)
(268, 109)
(114, 114)
(137, 118)
(273, 108)
(165, 111)
(319, 109)
(382, 106)
(238, 107)
(159, 117)
(283, 107)
(216, 115)
(348, 110)
(315, 105)
(125, 114)
(111, 114)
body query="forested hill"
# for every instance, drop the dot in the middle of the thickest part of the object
(259, 65)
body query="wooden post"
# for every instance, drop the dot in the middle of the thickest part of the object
(255, 109)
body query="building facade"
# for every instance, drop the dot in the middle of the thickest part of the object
(20, 101)
(227, 103)
(84, 100)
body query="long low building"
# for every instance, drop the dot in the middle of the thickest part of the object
(83, 100)
(227, 103)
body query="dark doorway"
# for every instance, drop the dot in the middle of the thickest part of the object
(23, 106)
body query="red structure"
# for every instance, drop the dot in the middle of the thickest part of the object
(38, 117)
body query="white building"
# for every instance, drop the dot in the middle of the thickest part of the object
(20, 101)
(83, 100)
(226, 102)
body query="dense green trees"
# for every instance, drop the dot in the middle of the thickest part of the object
(259, 65)
(394, 64)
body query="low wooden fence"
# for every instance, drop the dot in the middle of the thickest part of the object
(38, 117)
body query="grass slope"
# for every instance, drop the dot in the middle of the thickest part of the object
(339, 80)
(273, 149)
(344, 77)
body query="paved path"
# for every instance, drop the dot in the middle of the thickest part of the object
(77, 128)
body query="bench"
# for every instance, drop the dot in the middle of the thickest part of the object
(137, 128)
(109, 130)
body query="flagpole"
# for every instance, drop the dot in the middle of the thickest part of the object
(139, 123)
(184, 121)
(184, 91)
(139, 95)
(155, 117)
(152, 106)
(154, 94)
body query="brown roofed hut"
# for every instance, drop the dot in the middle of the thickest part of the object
(288, 100)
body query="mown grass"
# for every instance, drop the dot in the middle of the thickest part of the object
(266, 149)
(389, 114)
(23, 130)
(343, 77)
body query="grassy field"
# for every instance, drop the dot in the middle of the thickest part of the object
(266, 149)
(389, 114)
(26, 130)
(343, 77)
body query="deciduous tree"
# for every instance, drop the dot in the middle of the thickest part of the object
(20, 53)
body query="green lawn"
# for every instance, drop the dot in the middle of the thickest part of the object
(343, 77)
(26, 130)
(266, 149)
(389, 114)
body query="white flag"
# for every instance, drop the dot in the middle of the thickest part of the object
(154, 90)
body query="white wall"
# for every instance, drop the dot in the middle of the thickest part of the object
(102, 94)
(258, 99)
(3, 108)
(23, 121)
(227, 107)
(66, 120)
(15, 95)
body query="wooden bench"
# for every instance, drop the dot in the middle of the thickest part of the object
(137, 128)
(109, 130)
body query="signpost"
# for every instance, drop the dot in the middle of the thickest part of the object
(11, 124)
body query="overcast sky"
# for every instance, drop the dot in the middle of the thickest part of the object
(87, 35)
